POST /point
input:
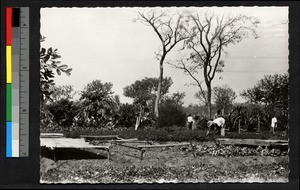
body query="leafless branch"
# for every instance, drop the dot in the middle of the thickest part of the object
(181, 65)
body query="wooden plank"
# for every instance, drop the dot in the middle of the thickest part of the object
(86, 147)
(254, 142)
(133, 139)
(126, 141)
(162, 145)
(133, 147)
(100, 137)
(143, 147)
(51, 135)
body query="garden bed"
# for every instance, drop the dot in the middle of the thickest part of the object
(170, 165)
(210, 162)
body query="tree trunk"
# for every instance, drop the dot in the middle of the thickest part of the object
(139, 118)
(258, 123)
(137, 123)
(239, 126)
(209, 100)
(160, 78)
(208, 85)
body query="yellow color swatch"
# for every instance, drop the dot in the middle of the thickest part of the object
(8, 65)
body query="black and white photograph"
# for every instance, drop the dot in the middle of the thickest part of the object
(164, 95)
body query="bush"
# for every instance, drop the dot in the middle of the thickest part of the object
(171, 114)
(202, 123)
(100, 107)
(63, 112)
(47, 124)
(127, 115)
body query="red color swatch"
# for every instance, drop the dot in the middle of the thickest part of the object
(8, 26)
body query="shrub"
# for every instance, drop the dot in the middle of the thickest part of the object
(47, 124)
(127, 116)
(171, 114)
(99, 105)
(63, 112)
(202, 124)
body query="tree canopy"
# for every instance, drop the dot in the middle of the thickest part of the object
(144, 91)
(99, 105)
(272, 92)
(223, 98)
(62, 92)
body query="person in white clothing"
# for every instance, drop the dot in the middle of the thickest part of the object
(273, 124)
(190, 121)
(216, 124)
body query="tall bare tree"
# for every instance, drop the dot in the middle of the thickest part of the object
(170, 30)
(210, 36)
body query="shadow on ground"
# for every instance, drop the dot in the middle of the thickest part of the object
(70, 154)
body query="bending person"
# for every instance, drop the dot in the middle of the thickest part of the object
(216, 124)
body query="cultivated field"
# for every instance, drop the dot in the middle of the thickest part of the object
(210, 163)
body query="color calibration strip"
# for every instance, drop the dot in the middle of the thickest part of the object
(9, 133)
(17, 82)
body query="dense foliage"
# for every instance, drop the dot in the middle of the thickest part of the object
(99, 106)
(49, 63)
(171, 112)
(271, 92)
(127, 115)
(63, 92)
(64, 112)
(223, 98)
(144, 91)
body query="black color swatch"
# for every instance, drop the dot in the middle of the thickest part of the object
(15, 17)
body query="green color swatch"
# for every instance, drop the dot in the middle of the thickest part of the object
(8, 102)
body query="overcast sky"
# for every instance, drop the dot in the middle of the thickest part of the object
(105, 44)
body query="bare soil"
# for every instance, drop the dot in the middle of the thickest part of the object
(160, 165)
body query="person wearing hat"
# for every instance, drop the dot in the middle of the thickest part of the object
(217, 123)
